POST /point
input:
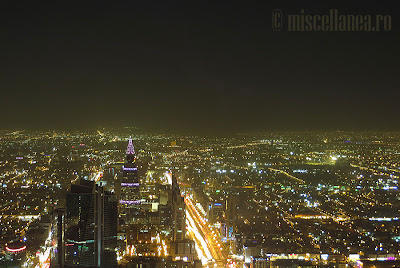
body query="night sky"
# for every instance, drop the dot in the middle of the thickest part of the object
(213, 65)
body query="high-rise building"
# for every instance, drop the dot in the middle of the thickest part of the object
(59, 214)
(178, 210)
(129, 201)
(90, 226)
(230, 217)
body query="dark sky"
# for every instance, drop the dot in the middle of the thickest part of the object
(193, 65)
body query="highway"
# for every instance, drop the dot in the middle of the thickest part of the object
(207, 238)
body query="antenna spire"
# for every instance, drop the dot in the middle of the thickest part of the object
(130, 149)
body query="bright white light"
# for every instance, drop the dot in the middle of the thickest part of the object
(169, 177)
(324, 257)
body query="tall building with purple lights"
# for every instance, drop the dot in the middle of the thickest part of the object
(129, 203)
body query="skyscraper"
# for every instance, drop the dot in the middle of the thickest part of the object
(178, 210)
(60, 221)
(230, 219)
(129, 207)
(90, 226)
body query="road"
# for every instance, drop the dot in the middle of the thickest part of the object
(207, 238)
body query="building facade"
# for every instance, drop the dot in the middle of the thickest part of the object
(90, 226)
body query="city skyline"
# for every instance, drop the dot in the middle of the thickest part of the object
(279, 199)
(199, 134)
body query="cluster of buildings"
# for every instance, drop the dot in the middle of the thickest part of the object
(133, 224)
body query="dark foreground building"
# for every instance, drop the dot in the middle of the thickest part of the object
(90, 236)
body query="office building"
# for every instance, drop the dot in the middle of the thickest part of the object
(90, 226)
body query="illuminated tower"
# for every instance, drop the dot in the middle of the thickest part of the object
(129, 206)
